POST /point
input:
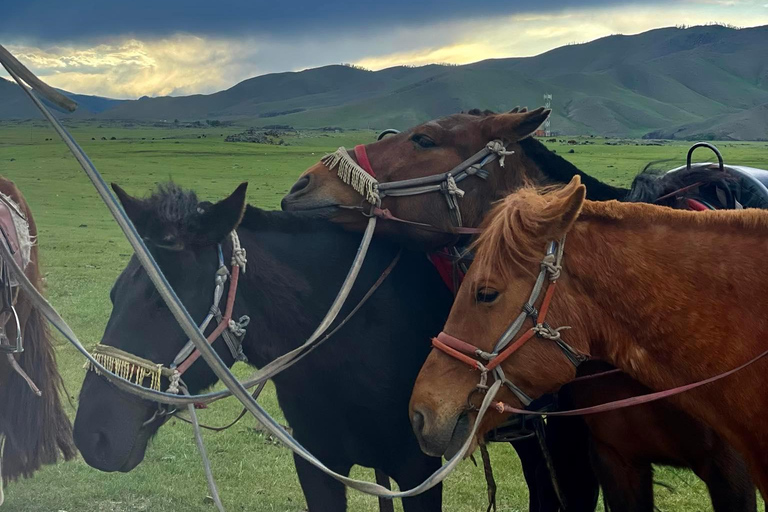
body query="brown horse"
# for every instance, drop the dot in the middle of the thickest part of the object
(670, 297)
(440, 145)
(35, 429)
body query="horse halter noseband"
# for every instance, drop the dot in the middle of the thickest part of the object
(486, 362)
(137, 369)
(361, 176)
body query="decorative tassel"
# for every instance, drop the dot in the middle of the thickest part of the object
(353, 175)
(129, 367)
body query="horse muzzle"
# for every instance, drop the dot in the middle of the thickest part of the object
(440, 437)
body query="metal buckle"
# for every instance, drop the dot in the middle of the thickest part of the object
(5, 344)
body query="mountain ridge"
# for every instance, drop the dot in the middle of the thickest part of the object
(667, 82)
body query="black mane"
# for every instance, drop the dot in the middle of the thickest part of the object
(561, 170)
(171, 205)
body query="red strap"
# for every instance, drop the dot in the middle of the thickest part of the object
(455, 353)
(695, 205)
(444, 265)
(362, 159)
(627, 402)
(224, 324)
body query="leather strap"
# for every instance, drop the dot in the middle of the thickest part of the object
(628, 402)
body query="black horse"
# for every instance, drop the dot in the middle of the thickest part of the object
(295, 266)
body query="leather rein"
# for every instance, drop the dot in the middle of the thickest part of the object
(490, 362)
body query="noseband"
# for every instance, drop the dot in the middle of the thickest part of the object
(361, 176)
(487, 362)
(137, 369)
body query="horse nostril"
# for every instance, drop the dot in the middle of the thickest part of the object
(417, 421)
(300, 185)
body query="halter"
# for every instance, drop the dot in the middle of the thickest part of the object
(487, 362)
(361, 176)
(137, 369)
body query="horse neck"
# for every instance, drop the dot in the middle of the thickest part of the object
(543, 167)
(658, 307)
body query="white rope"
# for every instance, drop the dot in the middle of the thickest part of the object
(496, 146)
(238, 252)
(452, 187)
(174, 386)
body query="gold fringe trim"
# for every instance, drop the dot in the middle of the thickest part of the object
(352, 174)
(128, 366)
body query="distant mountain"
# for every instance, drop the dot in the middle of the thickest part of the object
(14, 104)
(671, 82)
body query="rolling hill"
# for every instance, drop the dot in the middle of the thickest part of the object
(673, 82)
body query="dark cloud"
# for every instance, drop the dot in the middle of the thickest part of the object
(48, 21)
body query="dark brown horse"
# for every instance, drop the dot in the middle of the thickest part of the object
(440, 145)
(35, 428)
(695, 309)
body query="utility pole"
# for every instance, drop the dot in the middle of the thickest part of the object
(547, 104)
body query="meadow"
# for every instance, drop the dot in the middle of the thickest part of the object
(83, 251)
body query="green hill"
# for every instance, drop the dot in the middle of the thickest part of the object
(670, 82)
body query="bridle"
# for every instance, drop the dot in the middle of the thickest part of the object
(490, 362)
(362, 177)
(137, 369)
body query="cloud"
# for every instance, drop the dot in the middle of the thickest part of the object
(41, 21)
(131, 66)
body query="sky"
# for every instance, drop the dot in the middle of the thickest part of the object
(123, 49)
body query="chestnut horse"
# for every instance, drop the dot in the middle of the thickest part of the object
(670, 297)
(440, 145)
(35, 429)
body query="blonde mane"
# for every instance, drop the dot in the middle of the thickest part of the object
(516, 230)
(518, 227)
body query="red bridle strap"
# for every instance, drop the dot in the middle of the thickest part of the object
(224, 324)
(462, 350)
(362, 159)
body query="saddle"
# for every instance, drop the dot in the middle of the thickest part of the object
(741, 187)
(11, 220)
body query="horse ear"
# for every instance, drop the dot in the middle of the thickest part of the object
(218, 220)
(566, 207)
(514, 110)
(514, 126)
(135, 208)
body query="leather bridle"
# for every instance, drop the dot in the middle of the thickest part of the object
(445, 183)
(230, 330)
(490, 362)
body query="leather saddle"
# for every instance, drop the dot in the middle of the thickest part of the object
(9, 236)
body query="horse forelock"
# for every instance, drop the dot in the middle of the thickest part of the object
(510, 235)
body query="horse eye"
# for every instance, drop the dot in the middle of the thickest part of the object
(486, 295)
(423, 140)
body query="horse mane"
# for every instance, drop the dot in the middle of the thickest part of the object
(514, 232)
(722, 221)
(37, 429)
(171, 205)
(511, 233)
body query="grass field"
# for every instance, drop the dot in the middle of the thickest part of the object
(82, 253)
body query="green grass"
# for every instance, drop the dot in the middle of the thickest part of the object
(83, 251)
